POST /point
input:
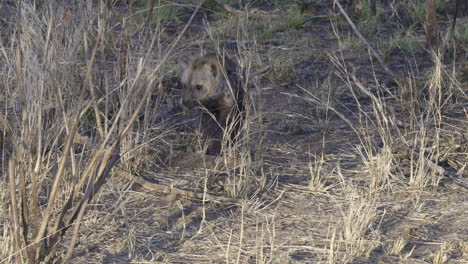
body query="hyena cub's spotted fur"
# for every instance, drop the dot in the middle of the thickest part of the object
(214, 83)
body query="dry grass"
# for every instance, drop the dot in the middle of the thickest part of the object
(370, 168)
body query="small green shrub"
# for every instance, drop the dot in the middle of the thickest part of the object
(409, 45)
(282, 68)
(295, 17)
(369, 19)
(417, 12)
(164, 13)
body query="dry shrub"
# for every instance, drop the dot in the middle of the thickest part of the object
(68, 127)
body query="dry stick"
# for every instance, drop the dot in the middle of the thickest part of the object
(452, 30)
(34, 203)
(21, 86)
(48, 38)
(74, 127)
(107, 164)
(58, 229)
(61, 169)
(78, 212)
(62, 226)
(22, 182)
(356, 31)
(35, 199)
(150, 13)
(14, 209)
(55, 187)
(114, 13)
(90, 84)
(230, 9)
(24, 208)
(26, 129)
(34, 172)
(19, 73)
(432, 29)
(106, 102)
(172, 190)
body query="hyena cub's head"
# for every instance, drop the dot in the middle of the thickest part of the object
(202, 81)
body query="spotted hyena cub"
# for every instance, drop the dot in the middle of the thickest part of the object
(214, 83)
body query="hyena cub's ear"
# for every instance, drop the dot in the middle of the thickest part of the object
(214, 69)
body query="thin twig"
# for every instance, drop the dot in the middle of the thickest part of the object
(109, 161)
(172, 190)
(89, 81)
(356, 31)
(230, 9)
(149, 15)
(55, 189)
(454, 20)
(14, 210)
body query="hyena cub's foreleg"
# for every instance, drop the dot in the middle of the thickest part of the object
(221, 126)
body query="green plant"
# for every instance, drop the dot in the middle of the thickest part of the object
(261, 29)
(295, 17)
(162, 13)
(265, 35)
(211, 7)
(367, 18)
(409, 44)
(403, 40)
(417, 12)
(282, 68)
(461, 32)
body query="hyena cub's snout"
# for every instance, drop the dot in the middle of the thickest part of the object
(194, 95)
(214, 84)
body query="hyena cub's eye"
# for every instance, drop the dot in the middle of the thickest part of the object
(198, 87)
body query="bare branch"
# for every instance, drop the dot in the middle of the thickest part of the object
(172, 190)
(230, 9)
(356, 31)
